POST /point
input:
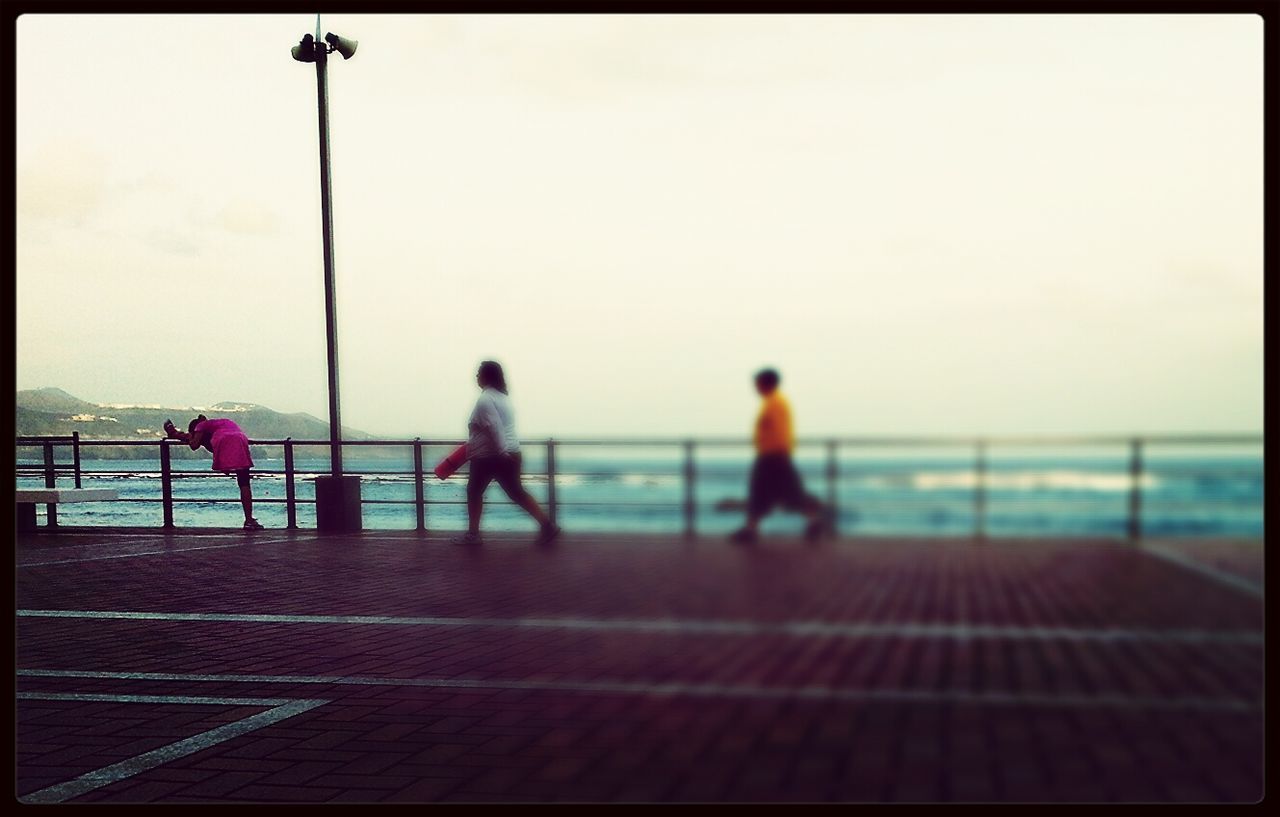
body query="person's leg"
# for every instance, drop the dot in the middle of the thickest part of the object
(787, 490)
(475, 507)
(809, 505)
(246, 497)
(478, 480)
(759, 500)
(800, 500)
(509, 478)
(246, 493)
(819, 519)
(532, 508)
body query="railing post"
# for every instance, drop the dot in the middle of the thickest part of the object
(290, 491)
(50, 481)
(166, 483)
(1135, 490)
(832, 477)
(980, 492)
(419, 489)
(551, 480)
(690, 505)
(75, 454)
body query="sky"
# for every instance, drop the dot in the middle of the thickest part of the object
(929, 224)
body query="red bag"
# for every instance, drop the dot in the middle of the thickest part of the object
(452, 463)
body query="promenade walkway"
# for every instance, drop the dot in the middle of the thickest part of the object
(386, 666)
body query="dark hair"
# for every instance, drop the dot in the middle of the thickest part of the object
(191, 426)
(769, 378)
(491, 373)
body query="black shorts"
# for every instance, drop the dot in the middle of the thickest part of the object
(775, 481)
(506, 470)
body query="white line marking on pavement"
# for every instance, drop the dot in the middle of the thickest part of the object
(711, 690)
(152, 699)
(63, 543)
(694, 626)
(157, 552)
(1220, 576)
(124, 555)
(157, 757)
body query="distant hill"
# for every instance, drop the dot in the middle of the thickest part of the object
(52, 411)
(52, 400)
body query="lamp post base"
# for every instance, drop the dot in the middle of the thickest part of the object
(338, 504)
(27, 516)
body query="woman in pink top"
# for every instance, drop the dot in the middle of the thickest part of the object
(230, 449)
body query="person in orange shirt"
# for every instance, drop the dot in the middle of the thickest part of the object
(774, 478)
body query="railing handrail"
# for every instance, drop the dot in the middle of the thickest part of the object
(1242, 438)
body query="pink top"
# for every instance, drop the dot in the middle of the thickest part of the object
(213, 427)
(230, 445)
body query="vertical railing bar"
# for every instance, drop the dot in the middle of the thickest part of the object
(551, 480)
(690, 503)
(832, 480)
(166, 483)
(980, 492)
(290, 490)
(1135, 490)
(50, 481)
(75, 455)
(419, 488)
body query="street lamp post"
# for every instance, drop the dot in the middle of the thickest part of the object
(337, 495)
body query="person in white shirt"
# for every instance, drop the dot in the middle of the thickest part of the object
(493, 450)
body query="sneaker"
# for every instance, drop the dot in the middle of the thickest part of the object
(745, 536)
(467, 538)
(253, 524)
(547, 535)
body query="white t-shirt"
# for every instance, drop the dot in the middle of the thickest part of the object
(492, 418)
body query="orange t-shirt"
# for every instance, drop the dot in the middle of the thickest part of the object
(773, 427)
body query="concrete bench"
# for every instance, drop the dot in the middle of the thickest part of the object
(28, 498)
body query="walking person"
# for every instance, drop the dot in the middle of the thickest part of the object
(230, 448)
(774, 478)
(493, 449)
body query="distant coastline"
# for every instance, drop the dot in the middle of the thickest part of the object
(54, 412)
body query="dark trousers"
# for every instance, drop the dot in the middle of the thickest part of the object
(775, 481)
(506, 470)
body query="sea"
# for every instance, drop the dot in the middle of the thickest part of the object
(1182, 491)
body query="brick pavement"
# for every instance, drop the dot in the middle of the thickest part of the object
(634, 669)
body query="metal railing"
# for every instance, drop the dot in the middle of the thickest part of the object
(980, 447)
(50, 469)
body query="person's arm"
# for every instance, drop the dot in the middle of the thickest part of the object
(485, 420)
(763, 422)
(194, 440)
(766, 422)
(493, 426)
(788, 430)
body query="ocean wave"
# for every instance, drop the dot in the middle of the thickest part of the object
(651, 480)
(1030, 481)
(562, 480)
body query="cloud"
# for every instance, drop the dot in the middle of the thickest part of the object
(174, 241)
(247, 216)
(62, 180)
